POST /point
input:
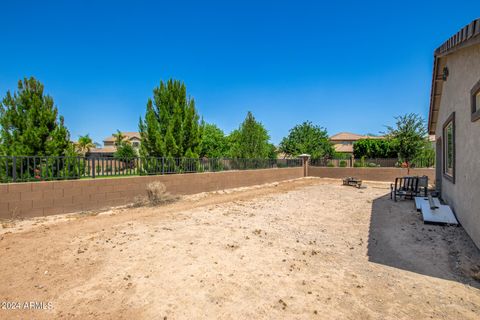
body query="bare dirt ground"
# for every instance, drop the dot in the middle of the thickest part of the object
(303, 249)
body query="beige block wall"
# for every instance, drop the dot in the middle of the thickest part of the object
(463, 195)
(372, 174)
(55, 197)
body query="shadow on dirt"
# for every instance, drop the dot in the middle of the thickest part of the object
(398, 238)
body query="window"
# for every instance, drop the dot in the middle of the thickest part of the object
(449, 148)
(476, 102)
(136, 144)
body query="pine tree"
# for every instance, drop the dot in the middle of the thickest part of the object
(171, 126)
(30, 124)
(250, 140)
(152, 143)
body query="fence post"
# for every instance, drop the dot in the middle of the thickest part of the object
(94, 168)
(14, 168)
(305, 158)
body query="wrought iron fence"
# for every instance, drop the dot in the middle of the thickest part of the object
(372, 163)
(29, 168)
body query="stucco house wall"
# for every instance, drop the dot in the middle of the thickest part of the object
(463, 195)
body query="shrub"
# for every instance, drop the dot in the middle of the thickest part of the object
(156, 195)
(330, 164)
(342, 163)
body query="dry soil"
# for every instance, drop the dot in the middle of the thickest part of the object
(302, 249)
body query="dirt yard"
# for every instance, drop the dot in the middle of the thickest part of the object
(303, 249)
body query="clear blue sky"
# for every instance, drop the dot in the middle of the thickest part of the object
(345, 65)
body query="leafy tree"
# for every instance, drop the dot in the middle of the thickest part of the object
(30, 124)
(250, 140)
(307, 138)
(426, 155)
(84, 144)
(214, 142)
(172, 126)
(409, 136)
(375, 148)
(125, 151)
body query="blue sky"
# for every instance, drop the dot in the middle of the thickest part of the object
(347, 66)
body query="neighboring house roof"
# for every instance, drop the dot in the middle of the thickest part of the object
(128, 135)
(344, 148)
(109, 149)
(348, 136)
(466, 37)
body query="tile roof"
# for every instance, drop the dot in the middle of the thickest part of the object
(343, 148)
(129, 135)
(351, 136)
(108, 149)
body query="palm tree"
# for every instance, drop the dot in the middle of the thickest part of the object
(120, 138)
(84, 144)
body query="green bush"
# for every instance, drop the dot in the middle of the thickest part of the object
(330, 164)
(342, 163)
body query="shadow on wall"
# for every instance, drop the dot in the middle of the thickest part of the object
(398, 238)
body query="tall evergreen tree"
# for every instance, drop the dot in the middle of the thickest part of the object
(152, 143)
(171, 127)
(250, 140)
(30, 124)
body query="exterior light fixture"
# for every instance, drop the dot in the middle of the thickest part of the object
(445, 74)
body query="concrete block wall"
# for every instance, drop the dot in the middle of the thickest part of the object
(32, 199)
(372, 174)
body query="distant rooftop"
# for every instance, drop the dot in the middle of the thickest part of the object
(128, 135)
(352, 136)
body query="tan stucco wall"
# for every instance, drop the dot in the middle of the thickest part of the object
(464, 195)
(33, 199)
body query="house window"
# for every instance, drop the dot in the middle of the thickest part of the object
(476, 102)
(136, 144)
(449, 148)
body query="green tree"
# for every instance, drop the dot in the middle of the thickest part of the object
(152, 143)
(125, 151)
(214, 142)
(426, 155)
(375, 148)
(307, 138)
(250, 140)
(84, 144)
(30, 124)
(119, 138)
(172, 126)
(409, 136)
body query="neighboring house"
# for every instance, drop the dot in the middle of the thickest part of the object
(343, 142)
(109, 147)
(454, 119)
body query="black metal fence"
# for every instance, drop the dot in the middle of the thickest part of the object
(28, 168)
(371, 163)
